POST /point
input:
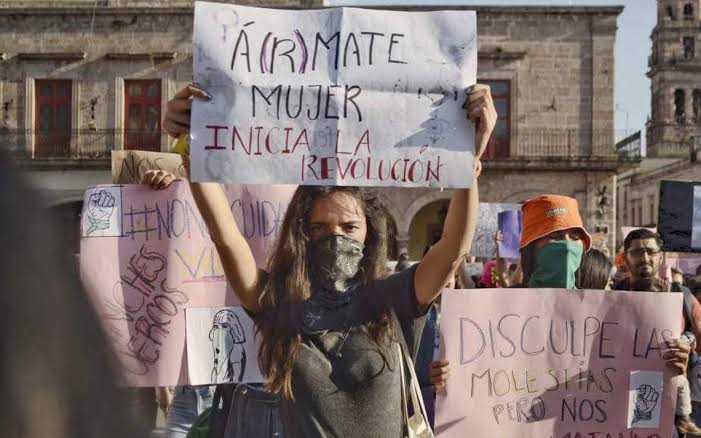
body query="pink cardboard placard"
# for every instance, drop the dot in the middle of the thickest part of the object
(542, 363)
(146, 256)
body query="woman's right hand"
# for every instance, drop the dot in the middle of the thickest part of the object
(177, 120)
(438, 373)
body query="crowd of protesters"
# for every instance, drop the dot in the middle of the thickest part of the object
(556, 252)
(324, 305)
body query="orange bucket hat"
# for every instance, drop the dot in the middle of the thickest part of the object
(549, 213)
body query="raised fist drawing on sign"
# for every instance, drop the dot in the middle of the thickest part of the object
(645, 403)
(100, 210)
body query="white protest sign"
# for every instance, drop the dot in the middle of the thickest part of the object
(338, 96)
(544, 363)
(221, 346)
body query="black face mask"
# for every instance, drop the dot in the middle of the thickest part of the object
(334, 262)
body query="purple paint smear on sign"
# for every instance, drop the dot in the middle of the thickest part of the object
(510, 225)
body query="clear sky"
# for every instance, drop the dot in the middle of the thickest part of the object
(633, 46)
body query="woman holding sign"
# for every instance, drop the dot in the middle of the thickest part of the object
(552, 245)
(330, 323)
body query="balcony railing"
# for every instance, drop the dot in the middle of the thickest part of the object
(630, 148)
(564, 144)
(87, 144)
(82, 144)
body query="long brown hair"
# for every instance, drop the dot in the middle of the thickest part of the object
(288, 283)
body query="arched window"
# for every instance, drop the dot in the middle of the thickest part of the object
(696, 104)
(679, 105)
(670, 13)
(688, 11)
(689, 45)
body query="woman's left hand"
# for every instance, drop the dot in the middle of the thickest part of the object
(677, 355)
(481, 112)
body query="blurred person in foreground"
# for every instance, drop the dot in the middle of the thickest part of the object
(57, 374)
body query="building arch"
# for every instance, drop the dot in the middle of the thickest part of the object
(688, 11)
(407, 216)
(426, 227)
(391, 207)
(396, 241)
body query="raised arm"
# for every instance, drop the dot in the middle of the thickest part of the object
(442, 260)
(242, 273)
(240, 267)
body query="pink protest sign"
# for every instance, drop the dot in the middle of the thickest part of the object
(146, 256)
(538, 363)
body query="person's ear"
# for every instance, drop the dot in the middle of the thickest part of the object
(211, 334)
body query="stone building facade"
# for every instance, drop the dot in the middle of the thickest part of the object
(674, 67)
(103, 71)
(674, 127)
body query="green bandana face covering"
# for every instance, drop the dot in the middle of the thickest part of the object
(556, 264)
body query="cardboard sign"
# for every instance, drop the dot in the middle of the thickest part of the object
(340, 96)
(680, 216)
(128, 167)
(688, 263)
(146, 256)
(483, 245)
(510, 224)
(557, 364)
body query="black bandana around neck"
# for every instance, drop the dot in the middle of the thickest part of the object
(334, 262)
